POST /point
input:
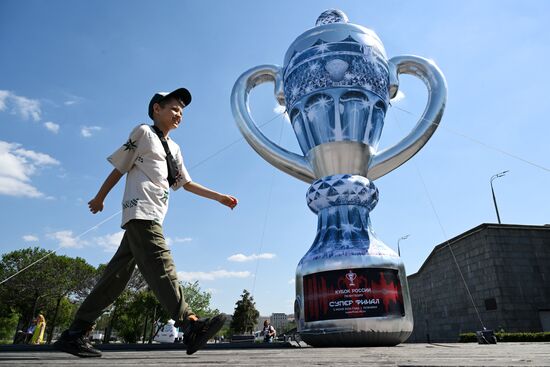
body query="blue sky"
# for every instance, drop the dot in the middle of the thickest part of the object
(76, 77)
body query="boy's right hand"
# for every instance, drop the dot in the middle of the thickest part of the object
(229, 201)
(95, 205)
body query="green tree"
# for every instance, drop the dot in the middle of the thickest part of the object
(289, 327)
(29, 291)
(25, 293)
(64, 311)
(75, 280)
(143, 309)
(44, 287)
(245, 315)
(198, 300)
(135, 312)
(7, 326)
(117, 314)
(129, 322)
(226, 332)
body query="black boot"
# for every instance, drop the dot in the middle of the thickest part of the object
(197, 333)
(76, 343)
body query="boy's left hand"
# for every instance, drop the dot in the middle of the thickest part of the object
(229, 201)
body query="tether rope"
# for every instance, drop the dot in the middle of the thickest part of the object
(265, 220)
(269, 194)
(448, 243)
(482, 143)
(60, 246)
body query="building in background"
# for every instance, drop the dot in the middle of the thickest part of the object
(507, 270)
(279, 321)
(260, 324)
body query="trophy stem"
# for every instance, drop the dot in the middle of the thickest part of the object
(342, 230)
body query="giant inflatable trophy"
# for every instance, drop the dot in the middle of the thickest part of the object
(336, 85)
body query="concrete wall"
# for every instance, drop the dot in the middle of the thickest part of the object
(507, 270)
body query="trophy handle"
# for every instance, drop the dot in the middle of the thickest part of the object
(289, 162)
(390, 158)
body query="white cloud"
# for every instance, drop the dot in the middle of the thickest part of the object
(66, 239)
(13, 187)
(211, 275)
(171, 241)
(3, 97)
(52, 126)
(243, 258)
(88, 131)
(39, 159)
(72, 100)
(17, 165)
(292, 281)
(30, 238)
(109, 242)
(181, 240)
(398, 97)
(28, 108)
(19, 105)
(278, 109)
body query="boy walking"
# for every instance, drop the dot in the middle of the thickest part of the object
(153, 163)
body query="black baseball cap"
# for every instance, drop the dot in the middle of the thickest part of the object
(181, 93)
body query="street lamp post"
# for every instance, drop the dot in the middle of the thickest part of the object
(498, 175)
(399, 240)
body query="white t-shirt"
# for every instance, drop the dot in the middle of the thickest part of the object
(144, 159)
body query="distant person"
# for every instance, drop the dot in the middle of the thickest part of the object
(38, 332)
(24, 337)
(268, 332)
(153, 163)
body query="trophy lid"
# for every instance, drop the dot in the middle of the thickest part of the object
(333, 26)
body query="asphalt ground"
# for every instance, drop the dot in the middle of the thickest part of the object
(286, 354)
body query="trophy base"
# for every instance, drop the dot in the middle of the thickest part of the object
(351, 288)
(356, 306)
(355, 338)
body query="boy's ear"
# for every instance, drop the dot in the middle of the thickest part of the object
(156, 108)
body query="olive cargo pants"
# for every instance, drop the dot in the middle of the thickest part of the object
(143, 245)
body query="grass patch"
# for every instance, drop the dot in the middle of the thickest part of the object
(509, 337)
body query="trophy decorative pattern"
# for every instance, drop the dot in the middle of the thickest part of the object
(337, 91)
(336, 84)
(343, 203)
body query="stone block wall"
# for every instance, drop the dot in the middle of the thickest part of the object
(507, 270)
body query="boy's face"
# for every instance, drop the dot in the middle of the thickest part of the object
(168, 117)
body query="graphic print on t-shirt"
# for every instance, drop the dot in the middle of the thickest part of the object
(130, 145)
(143, 160)
(164, 197)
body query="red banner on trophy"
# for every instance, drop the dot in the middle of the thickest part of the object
(352, 293)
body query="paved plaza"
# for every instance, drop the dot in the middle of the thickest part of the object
(470, 354)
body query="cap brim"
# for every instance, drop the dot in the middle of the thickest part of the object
(182, 94)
